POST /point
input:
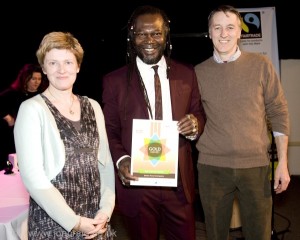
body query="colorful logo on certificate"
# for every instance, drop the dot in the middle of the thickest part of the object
(155, 148)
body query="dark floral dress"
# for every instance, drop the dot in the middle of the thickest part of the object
(79, 180)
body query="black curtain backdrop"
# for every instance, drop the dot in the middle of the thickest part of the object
(101, 29)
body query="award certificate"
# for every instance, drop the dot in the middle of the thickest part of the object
(154, 152)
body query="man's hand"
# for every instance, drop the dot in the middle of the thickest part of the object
(188, 126)
(124, 172)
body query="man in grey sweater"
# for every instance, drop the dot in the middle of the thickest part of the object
(240, 92)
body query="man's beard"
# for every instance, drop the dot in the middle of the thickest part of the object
(150, 59)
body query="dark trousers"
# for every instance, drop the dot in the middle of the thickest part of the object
(252, 186)
(163, 210)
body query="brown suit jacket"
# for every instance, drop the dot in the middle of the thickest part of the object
(124, 101)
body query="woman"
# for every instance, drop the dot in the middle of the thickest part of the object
(63, 152)
(29, 82)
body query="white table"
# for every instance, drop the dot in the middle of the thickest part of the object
(14, 201)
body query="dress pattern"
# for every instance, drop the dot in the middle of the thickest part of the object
(79, 180)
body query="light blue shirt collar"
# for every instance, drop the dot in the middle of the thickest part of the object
(234, 57)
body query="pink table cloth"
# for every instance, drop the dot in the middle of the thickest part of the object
(14, 201)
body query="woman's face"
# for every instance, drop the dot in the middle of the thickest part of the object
(34, 82)
(61, 68)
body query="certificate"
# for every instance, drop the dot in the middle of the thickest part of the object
(154, 152)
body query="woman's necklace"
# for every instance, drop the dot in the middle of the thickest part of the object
(70, 108)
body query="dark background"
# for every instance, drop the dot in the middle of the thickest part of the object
(100, 26)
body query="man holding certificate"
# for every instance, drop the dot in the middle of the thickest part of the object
(131, 107)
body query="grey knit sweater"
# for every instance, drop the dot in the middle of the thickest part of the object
(237, 98)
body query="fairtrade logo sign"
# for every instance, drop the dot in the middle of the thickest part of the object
(251, 25)
(154, 150)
